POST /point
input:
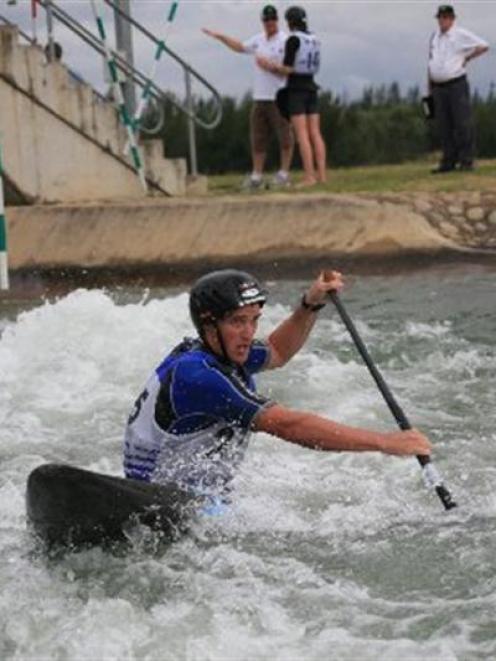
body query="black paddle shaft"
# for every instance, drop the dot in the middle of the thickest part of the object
(400, 417)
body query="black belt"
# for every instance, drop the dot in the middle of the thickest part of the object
(447, 83)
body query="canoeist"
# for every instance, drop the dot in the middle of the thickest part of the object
(191, 423)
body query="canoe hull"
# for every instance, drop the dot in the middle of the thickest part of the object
(68, 506)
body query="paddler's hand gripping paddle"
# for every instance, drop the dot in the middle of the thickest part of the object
(432, 478)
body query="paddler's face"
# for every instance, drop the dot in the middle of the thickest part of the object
(238, 330)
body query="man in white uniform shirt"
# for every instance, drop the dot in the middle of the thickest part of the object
(265, 119)
(451, 48)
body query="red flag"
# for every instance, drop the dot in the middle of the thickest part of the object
(34, 8)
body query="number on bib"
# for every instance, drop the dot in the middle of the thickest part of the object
(137, 407)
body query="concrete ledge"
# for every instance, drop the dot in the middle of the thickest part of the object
(224, 230)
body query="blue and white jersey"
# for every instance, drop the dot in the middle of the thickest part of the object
(191, 424)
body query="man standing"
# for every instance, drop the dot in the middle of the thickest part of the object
(265, 119)
(451, 48)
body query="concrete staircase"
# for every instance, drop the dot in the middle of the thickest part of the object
(62, 141)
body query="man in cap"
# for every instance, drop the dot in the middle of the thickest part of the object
(451, 48)
(191, 424)
(265, 119)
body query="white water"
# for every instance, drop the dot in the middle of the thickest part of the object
(323, 556)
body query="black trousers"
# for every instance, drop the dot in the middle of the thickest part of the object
(454, 116)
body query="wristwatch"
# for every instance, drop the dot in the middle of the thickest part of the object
(309, 306)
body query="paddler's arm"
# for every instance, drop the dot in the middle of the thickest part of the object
(288, 338)
(314, 431)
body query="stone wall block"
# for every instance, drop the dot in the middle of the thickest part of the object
(449, 230)
(475, 214)
(422, 206)
(436, 218)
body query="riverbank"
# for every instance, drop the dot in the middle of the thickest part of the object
(371, 219)
(410, 177)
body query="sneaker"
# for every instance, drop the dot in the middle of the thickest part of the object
(280, 181)
(250, 184)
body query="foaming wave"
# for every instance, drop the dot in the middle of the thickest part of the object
(425, 330)
(74, 365)
(464, 362)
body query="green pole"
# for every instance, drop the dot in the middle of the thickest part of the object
(4, 268)
(145, 94)
(124, 115)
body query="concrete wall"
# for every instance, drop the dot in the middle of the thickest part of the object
(223, 230)
(61, 141)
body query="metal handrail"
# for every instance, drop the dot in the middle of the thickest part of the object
(136, 75)
(187, 68)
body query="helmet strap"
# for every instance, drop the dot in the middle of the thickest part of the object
(220, 339)
(221, 343)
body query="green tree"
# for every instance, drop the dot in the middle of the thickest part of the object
(383, 126)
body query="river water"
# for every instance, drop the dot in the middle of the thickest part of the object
(323, 556)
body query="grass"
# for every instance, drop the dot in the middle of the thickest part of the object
(407, 177)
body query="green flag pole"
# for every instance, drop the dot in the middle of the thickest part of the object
(124, 115)
(145, 94)
(4, 268)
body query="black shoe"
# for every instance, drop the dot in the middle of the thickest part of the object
(467, 167)
(442, 169)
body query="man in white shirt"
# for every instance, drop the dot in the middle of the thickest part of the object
(265, 118)
(451, 48)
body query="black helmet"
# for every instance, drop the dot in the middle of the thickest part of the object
(269, 13)
(296, 16)
(220, 292)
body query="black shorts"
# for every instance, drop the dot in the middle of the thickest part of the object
(302, 102)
